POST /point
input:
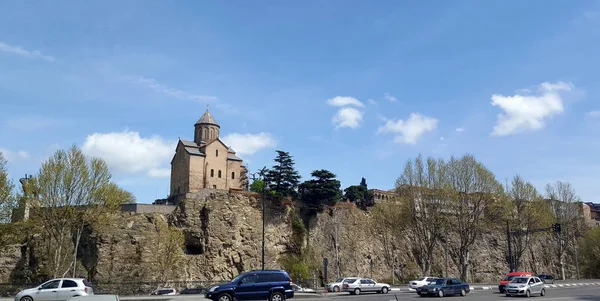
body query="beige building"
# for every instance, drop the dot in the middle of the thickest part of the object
(206, 162)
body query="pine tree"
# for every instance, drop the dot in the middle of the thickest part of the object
(282, 178)
(323, 190)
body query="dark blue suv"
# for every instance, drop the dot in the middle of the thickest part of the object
(272, 285)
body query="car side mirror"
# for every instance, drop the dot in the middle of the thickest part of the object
(39, 288)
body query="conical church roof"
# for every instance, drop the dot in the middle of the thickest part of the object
(207, 118)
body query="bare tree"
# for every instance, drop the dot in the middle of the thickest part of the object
(526, 213)
(566, 210)
(420, 188)
(387, 227)
(474, 206)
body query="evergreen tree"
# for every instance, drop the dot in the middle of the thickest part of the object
(282, 178)
(360, 194)
(323, 190)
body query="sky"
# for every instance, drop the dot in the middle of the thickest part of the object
(354, 87)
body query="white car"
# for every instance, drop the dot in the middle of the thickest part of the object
(414, 284)
(59, 289)
(360, 285)
(525, 286)
(336, 286)
(165, 292)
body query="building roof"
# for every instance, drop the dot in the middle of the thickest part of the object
(234, 157)
(207, 118)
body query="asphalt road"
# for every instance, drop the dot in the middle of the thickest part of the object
(559, 294)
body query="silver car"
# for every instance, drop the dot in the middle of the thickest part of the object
(60, 289)
(360, 285)
(525, 286)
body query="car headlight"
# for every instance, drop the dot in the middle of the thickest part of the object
(436, 289)
(212, 289)
(521, 286)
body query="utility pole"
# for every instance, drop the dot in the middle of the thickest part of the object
(262, 173)
(510, 255)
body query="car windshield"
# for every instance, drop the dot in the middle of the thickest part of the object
(520, 280)
(509, 278)
(440, 282)
(237, 278)
(339, 280)
(421, 279)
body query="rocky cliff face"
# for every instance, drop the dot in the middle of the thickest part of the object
(222, 237)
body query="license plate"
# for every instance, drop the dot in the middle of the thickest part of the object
(512, 291)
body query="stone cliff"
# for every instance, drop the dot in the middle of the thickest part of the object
(221, 233)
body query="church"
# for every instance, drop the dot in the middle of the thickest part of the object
(206, 162)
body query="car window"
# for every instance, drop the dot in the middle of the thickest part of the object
(264, 278)
(278, 277)
(440, 282)
(421, 279)
(250, 279)
(519, 280)
(455, 281)
(87, 283)
(350, 280)
(51, 285)
(69, 283)
(364, 281)
(339, 280)
(371, 281)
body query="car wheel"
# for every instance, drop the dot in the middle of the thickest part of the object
(276, 296)
(463, 293)
(440, 293)
(225, 297)
(336, 288)
(385, 290)
(543, 292)
(357, 291)
(527, 294)
(26, 298)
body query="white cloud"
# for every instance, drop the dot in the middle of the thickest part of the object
(249, 144)
(460, 129)
(389, 97)
(14, 156)
(347, 117)
(595, 114)
(528, 112)
(128, 152)
(372, 101)
(175, 93)
(411, 130)
(18, 50)
(342, 101)
(159, 172)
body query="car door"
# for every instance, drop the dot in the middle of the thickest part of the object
(48, 291)
(245, 290)
(263, 286)
(68, 289)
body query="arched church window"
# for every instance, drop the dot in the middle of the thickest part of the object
(219, 173)
(233, 175)
(211, 134)
(212, 173)
(204, 134)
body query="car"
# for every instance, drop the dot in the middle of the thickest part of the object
(164, 292)
(336, 286)
(546, 278)
(191, 291)
(272, 285)
(300, 289)
(525, 286)
(510, 277)
(421, 282)
(360, 285)
(443, 287)
(58, 289)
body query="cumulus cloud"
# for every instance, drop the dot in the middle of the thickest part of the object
(411, 130)
(249, 144)
(128, 152)
(14, 156)
(20, 51)
(528, 112)
(343, 101)
(347, 117)
(389, 97)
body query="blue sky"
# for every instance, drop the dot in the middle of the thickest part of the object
(356, 87)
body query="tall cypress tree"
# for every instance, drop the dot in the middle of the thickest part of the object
(283, 178)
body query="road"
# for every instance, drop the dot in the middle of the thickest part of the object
(591, 293)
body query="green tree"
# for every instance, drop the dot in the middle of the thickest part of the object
(590, 253)
(323, 190)
(72, 192)
(167, 250)
(7, 197)
(526, 212)
(360, 195)
(475, 204)
(283, 179)
(257, 186)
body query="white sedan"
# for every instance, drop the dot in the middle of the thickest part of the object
(414, 284)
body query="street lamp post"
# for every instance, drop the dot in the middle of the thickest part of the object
(262, 173)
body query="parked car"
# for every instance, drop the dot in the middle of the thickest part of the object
(525, 286)
(336, 286)
(443, 287)
(421, 282)
(504, 282)
(546, 278)
(58, 289)
(272, 285)
(300, 289)
(360, 285)
(191, 291)
(164, 292)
